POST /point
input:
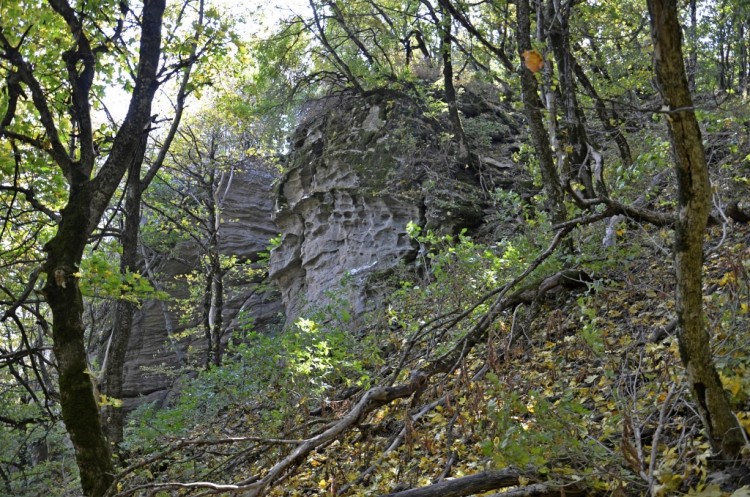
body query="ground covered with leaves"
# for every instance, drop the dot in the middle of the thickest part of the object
(520, 367)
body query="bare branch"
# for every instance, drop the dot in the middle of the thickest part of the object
(468, 485)
(30, 196)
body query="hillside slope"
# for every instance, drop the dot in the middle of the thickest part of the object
(526, 358)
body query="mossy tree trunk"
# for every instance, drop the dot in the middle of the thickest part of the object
(694, 192)
(88, 197)
(80, 411)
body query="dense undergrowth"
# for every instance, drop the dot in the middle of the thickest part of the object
(574, 383)
(579, 387)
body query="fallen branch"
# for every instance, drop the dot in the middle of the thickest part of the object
(255, 486)
(468, 485)
(372, 399)
(400, 437)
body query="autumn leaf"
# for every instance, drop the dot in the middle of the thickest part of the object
(533, 60)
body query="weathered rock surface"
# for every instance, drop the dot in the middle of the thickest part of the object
(359, 171)
(155, 344)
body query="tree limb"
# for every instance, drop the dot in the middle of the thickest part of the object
(30, 196)
(468, 485)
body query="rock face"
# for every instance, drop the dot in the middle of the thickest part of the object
(155, 343)
(359, 171)
(338, 234)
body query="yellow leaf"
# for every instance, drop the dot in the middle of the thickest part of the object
(533, 60)
(727, 278)
(708, 491)
(742, 492)
(734, 384)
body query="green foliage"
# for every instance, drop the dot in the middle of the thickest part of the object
(279, 377)
(100, 278)
(456, 275)
(483, 130)
(35, 459)
(531, 430)
(527, 158)
(270, 381)
(633, 178)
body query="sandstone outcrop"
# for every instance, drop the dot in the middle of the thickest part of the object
(156, 342)
(359, 171)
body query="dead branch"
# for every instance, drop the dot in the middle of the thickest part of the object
(393, 446)
(372, 399)
(468, 485)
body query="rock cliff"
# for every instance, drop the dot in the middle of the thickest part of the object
(359, 170)
(157, 342)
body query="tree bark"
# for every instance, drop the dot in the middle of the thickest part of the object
(114, 362)
(533, 109)
(87, 200)
(446, 48)
(576, 139)
(694, 195)
(80, 411)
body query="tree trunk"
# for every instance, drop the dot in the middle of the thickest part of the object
(742, 66)
(114, 362)
(446, 48)
(576, 143)
(533, 108)
(208, 331)
(80, 411)
(609, 119)
(87, 200)
(217, 312)
(694, 194)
